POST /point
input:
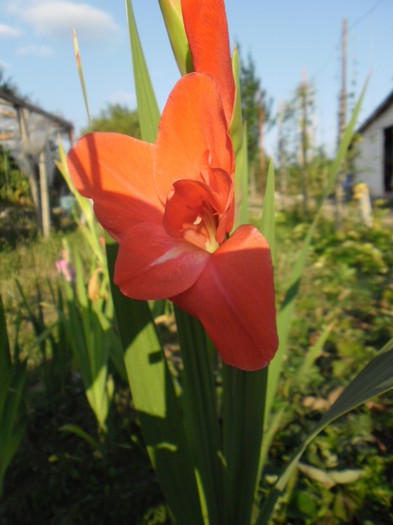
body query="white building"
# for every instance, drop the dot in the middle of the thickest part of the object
(374, 164)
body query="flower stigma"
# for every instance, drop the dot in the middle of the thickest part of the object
(202, 232)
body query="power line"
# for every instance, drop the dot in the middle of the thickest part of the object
(367, 13)
(337, 45)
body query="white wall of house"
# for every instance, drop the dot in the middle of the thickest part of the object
(369, 163)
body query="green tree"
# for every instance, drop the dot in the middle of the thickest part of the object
(302, 164)
(14, 186)
(7, 86)
(117, 118)
(256, 107)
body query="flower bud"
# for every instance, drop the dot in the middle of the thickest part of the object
(173, 18)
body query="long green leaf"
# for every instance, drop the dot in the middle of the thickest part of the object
(244, 406)
(150, 381)
(236, 128)
(241, 183)
(315, 351)
(200, 412)
(89, 343)
(288, 307)
(243, 414)
(5, 358)
(284, 413)
(155, 400)
(12, 418)
(268, 220)
(375, 379)
(268, 230)
(90, 232)
(148, 111)
(81, 75)
(78, 431)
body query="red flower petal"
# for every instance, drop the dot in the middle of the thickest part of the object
(116, 171)
(192, 123)
(219, 182)
(234, 300)
(153, 265)
(207, 32)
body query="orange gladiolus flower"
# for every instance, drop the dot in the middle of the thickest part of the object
(170, 205)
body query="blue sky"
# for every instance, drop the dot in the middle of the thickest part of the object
(284, 37)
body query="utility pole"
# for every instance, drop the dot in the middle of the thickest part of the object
(342, 120)
(342, 113)
(304, 93)
(45, 204)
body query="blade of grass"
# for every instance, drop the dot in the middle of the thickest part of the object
(74, 429)
(276, 421)
(13, 378)
(95, 351)
(284, 413)
(315, 351)
(81, 75)
(5, 357)
(35, 319)
(375, 379)
(88, 341)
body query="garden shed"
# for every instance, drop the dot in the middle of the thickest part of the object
(28, 133)
(374, 162)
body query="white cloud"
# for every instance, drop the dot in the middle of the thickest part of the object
(5, 65)
(123, 97)
(38, 51)
(58, 17)
(8, 31)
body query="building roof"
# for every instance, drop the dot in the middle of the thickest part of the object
(385, 104)
(18, 102)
